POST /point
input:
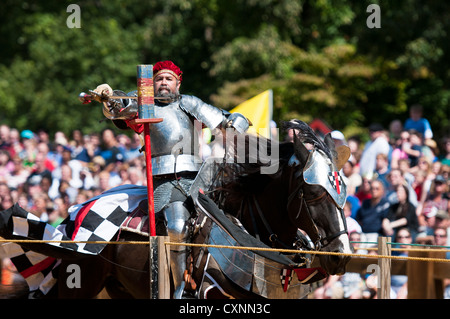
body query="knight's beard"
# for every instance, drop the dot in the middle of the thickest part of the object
(168, 94)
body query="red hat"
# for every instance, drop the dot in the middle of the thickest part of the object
(167, 66)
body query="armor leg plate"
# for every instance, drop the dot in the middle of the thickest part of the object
(177, 216)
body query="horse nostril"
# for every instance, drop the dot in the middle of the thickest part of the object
(336, 259)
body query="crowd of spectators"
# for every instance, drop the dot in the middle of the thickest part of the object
(398, 186)
(399, 180)
(46, 175)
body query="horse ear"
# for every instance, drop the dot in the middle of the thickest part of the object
(343, 154)
(328, 140)
(300, 150)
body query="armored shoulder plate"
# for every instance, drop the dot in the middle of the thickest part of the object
(211, 116)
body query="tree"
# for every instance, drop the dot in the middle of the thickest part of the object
(319, 57)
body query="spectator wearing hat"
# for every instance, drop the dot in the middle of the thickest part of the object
(29, 151)
(27, 134)
(57, 148)
(338, 138)
(378, 144)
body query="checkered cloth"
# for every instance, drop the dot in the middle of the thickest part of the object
(97, 219)
(39, 271)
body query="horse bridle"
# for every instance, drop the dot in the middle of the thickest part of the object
(320, 242)
(273, 237)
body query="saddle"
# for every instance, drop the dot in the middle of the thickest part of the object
(137, 221)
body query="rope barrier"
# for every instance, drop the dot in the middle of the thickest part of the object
(403, 244)
(292, 251)
(37, 241)
(409, 249)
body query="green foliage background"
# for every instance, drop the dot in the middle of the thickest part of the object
(319, 57)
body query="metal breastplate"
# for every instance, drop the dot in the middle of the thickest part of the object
(175, 139)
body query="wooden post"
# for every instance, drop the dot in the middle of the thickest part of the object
(159, 268)
(384, 280)
(424, 282)
(146, 110)
(163, 268)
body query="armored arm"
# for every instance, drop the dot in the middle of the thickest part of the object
(120, 109)
(211, 116)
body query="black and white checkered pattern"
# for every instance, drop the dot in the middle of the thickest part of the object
(286, 277)
(39, 271)
(101, 219)
(98, 219)
(335, 179)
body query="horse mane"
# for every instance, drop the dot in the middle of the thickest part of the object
(243, 177)
(306, 135)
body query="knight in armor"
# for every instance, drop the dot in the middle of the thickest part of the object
(175, 153)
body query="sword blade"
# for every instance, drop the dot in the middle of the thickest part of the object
(118, 97)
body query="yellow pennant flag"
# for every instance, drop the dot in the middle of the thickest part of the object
(259, 111)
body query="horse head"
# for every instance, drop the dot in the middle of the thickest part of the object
(318, 194)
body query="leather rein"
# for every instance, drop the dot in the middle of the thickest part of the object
(297, 193)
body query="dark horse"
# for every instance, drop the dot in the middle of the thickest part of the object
(271, 207)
